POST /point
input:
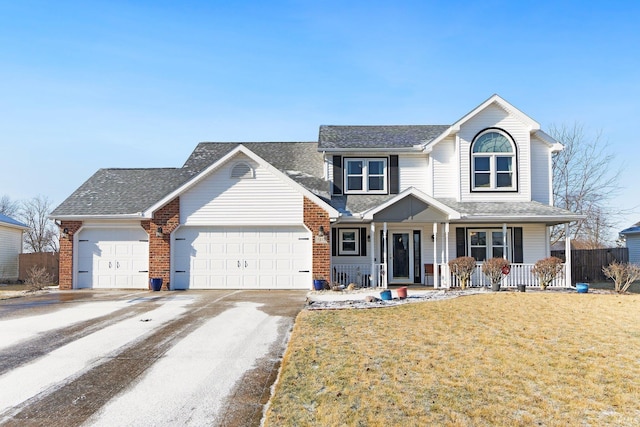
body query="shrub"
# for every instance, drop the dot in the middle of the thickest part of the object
(546, 270)
(623, 275)
(37, 278)
(463, 267)
(494, 269)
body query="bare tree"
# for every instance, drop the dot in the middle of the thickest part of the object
(585, 179)
(9, 207)
(42, 235)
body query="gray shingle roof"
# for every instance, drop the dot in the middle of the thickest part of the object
(356, 137)
(351, 204)
(515, 210)
(130, 191)
(121, 191)
(301, 161)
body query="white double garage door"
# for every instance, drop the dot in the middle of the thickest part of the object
(202, 258)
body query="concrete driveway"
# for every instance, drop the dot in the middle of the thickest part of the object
(142, 358)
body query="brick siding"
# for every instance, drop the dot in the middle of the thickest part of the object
(314, 217)
(65, 268)
(167, 218)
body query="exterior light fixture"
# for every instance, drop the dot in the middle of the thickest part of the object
(159, 232)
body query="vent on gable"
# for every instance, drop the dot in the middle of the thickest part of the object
(242, 171)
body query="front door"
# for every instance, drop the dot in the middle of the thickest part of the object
(401, 258)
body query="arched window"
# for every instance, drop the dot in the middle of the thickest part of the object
(242, 171)
(493, 162)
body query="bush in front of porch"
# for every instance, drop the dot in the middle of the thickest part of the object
(463, 267)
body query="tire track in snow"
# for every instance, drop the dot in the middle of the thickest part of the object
(72, 400)
(37, 390)
(50, 340)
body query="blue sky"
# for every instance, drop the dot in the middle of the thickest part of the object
(92, 84)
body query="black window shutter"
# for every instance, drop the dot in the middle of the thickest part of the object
(518, 252)
(337, 174)
(363, 241)
(334, 242)
(461, 241)
(381, 260)
(394, 175)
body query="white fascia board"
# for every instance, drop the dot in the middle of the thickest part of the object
(244, 150)
(373, 150)
(15, 226)
(138, 215)
(412, 191)
(554, 220)
(549, 140)
(498, 100)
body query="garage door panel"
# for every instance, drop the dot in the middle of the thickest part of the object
(245, 257)
(113, 258)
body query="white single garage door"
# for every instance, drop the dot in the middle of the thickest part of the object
(242, 258)
(113, 258)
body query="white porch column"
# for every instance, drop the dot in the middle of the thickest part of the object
(447, 280)
(567, 255)
(436, 279)
(372, 249)
(384, 253)
(504, 240)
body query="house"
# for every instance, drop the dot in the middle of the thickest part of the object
(371, 205)
(632, 238)
(10, 247)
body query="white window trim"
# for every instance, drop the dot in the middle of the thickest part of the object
(356, 233)
(365, 175)
(493, 169)
(248, 174)
(489, 246)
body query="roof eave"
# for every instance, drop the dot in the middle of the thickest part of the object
(137, 215)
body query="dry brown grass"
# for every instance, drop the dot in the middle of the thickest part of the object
(516, 359)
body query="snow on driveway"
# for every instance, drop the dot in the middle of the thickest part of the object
(78, 356)
(189, 383)
(19, 329)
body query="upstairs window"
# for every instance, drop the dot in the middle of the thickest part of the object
(365, 176)
(493, 162)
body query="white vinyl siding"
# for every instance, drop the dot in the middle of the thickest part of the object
(540, 161)
(10, 248)
(222, 200)
(414, 173)
(444, 169)
(495, 117)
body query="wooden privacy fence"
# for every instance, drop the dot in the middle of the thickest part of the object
(48, 260)
(586, 264)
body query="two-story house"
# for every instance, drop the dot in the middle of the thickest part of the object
(371, 205)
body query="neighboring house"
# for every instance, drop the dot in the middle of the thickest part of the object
(10, 246)
(632, 239)
(365, 204)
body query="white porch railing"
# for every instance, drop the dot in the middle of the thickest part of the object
(360, 274)
(520, 274)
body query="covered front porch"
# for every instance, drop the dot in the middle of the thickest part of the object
(410, 240)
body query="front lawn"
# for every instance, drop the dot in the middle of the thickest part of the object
(535, 358)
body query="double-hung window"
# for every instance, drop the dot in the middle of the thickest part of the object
(485, 244)
(493, 161)
(366, 175)
(349, 238)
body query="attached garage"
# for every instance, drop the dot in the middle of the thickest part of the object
(242, 258)
(112, 258)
